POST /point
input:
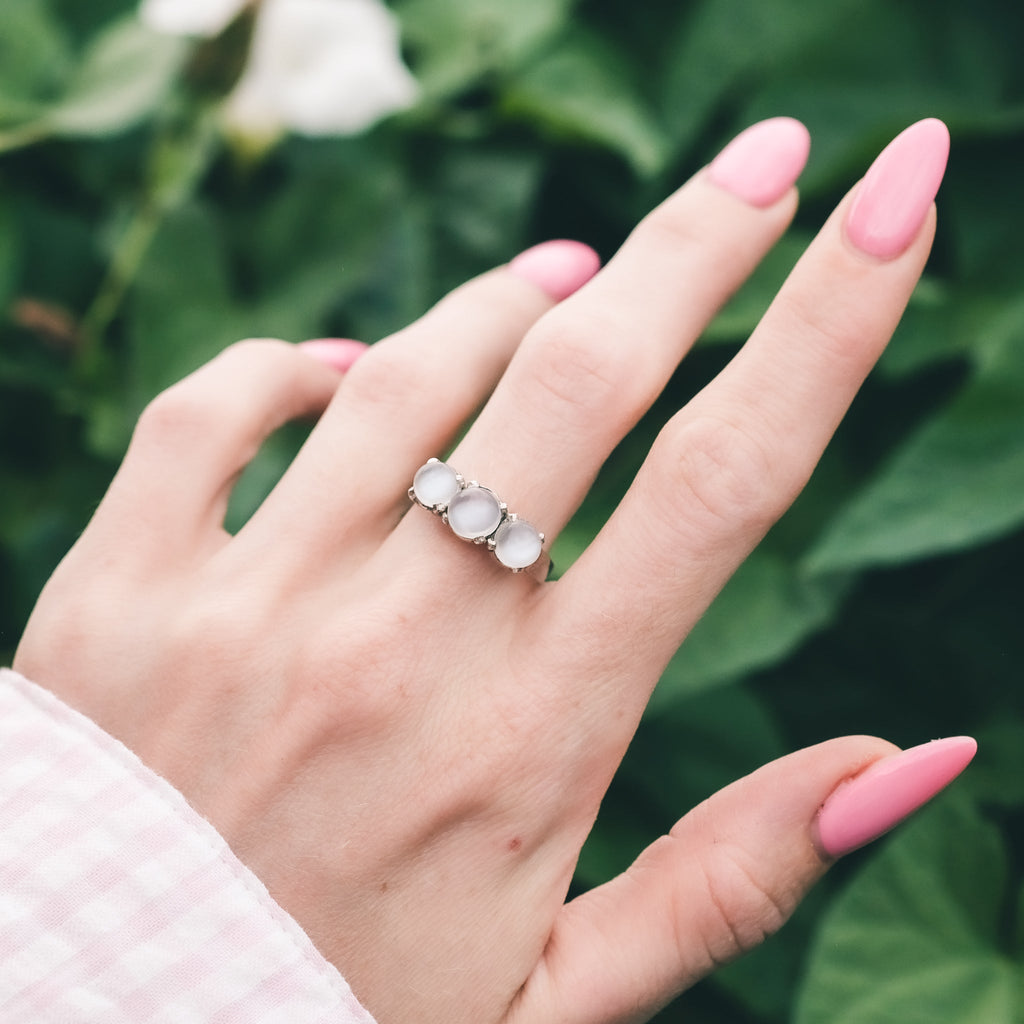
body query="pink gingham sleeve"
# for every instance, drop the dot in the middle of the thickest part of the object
(119, 903)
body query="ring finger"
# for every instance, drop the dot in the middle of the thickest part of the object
(589, 369)
(408, 397)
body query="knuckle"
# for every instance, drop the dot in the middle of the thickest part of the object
(741, 909)
(826, 324)
(569, 363)
(388, 377)
(63, 632)
(205, 400)
(197, 403)
(221, 628)
(844, 332)
(181, 412)
(681, 228)
(485, 299)
(719, 471)
(360, 677)
(270, 351)
(672, 226)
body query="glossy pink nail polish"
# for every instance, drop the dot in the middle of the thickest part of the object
(761, 164)
(339, 353)
(896, 194)
(868, 805)
(558, 267)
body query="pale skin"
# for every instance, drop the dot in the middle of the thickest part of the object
(407, 743)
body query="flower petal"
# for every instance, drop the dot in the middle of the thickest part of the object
(321, 67)
(190, 17)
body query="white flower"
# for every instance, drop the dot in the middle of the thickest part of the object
(316, 67)
(321, 67)
(190, 17)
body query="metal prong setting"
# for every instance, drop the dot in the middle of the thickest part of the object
(475, 513)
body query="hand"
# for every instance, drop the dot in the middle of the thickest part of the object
(406, 742)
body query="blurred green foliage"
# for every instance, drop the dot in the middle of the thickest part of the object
(135, 243)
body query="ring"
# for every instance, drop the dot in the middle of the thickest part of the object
(476, 514)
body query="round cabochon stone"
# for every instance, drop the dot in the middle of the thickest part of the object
(474, 513)
(435, 484)
(517, 544)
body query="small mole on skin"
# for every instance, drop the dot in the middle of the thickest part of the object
(515, 844)
(384, 887)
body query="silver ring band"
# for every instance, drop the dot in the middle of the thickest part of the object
(476, 514)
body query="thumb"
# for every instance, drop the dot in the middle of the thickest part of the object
(728, 874)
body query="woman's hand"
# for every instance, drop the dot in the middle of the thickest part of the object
(408, 743)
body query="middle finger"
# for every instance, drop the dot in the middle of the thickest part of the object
(590, 368)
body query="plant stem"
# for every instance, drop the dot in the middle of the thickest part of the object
(26, 135)
(178, 160)
(124, 265)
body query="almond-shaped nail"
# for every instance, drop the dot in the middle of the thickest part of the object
(868, 805)
(763, 162)
(339, 353)
(894, 197)
(559, 267)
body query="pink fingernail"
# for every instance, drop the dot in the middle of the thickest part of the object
(868, 805)
(761, 164)
(896, 194)
(559, 267)
(339, 353)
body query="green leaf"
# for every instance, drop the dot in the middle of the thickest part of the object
(9, 254)
(855, 73)
(480, 208)
(915, 938)
(997, 774)
(333, 232)
(456, 43)
(56, 248)
(957, 481)
(35, 58)
(582, 89)
(181, 312)
(395, 281)
(765, 611)
(938, 326)
(124, 76)
(985, 246)
(743, 312)
(724, 43)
